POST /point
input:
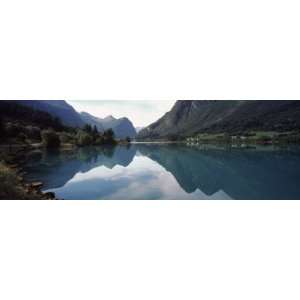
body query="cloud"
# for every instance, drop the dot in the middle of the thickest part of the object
(142, 179)
(140, 112)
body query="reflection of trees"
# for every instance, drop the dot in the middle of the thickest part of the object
(108, 151)
(54, 169)
(242, 174)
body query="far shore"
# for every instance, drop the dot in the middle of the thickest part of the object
(158, 142)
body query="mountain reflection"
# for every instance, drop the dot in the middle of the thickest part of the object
(238, 173)
(54, 169)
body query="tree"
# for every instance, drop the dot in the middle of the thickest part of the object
(95, 131)
(57, 124)
(50, 139)
(87, 128)
(108, 136)
(42, 119)
(13, 129)
(109, 133)
(128, 140)
(1, 127)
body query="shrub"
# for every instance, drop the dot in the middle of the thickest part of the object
(84, 139)
(1, 126)
(66, 137)
(21, 137)
(9, 185)
(173, 138)
(12, 130)
(99, 140)
(50, 139)
(33, 132)
(264, 138)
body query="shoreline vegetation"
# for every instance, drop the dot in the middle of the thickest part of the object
(13, 156)
(24, 129)
(253, 137)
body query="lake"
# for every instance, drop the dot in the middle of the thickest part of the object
(168, 171)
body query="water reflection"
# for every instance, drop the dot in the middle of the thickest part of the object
(148, 171)
(55, 168)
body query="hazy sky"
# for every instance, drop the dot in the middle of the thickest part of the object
(141, 113)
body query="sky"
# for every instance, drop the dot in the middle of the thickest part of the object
(141, 113)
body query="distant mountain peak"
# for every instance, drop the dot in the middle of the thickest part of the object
(122, 127)
(110, 117)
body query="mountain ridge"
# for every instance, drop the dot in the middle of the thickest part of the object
(57, 108)
(189, 117)
(122, 127)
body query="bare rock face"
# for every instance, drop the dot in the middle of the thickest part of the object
(196, 116)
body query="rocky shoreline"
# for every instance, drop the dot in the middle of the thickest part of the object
(29, 190)
(13, 184)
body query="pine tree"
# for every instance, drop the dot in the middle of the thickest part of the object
(95, 131)
(87, 128)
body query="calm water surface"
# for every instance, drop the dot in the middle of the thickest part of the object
(152, 171)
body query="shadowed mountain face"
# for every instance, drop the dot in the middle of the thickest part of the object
(169, 172)
(57, 108)
(189, 117)
(122, 127)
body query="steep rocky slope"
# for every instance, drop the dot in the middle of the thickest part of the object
(190, 117)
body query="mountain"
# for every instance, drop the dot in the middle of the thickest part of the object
(188, 117)
(56, 108)
(94, 121)
(66, 113)
(122, 127)
(138, 129)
